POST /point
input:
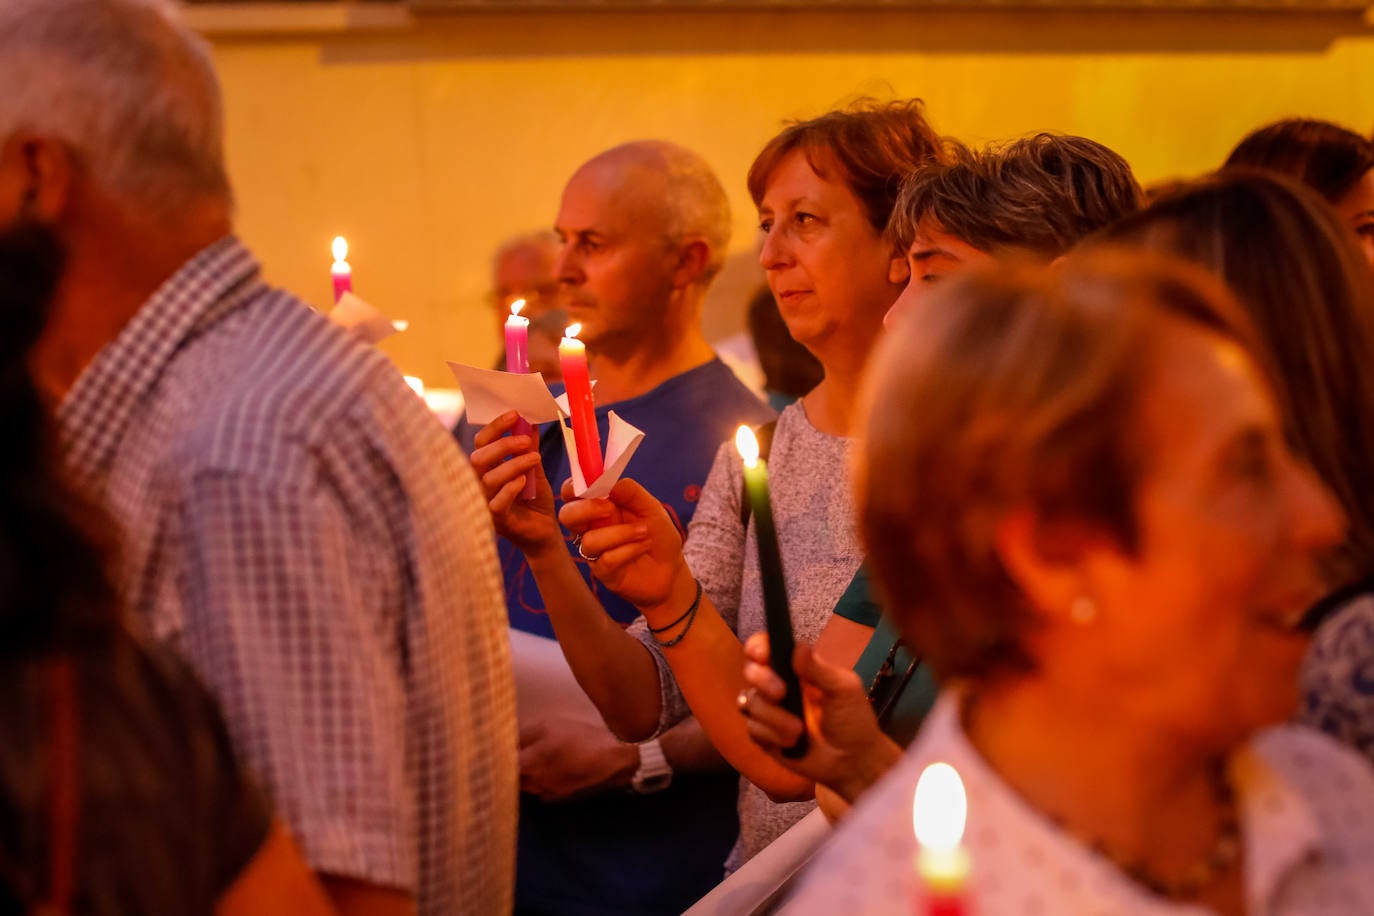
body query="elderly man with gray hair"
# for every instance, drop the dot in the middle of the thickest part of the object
(295, 521)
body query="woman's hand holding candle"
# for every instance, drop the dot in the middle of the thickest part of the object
(504, 464)
(847, 750)
(637, 547)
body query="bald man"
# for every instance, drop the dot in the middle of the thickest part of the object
(643, 230)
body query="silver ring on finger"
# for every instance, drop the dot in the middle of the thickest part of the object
(591, 559)
(742, 701)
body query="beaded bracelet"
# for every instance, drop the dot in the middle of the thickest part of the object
(690, 616)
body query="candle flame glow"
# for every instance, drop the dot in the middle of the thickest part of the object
(940, 809)
(517, 306)
(573, 330)
(340, 248)
(748, 446)
(416, 384)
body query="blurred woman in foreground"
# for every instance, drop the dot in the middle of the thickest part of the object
(1090, 524)
(1311, 301)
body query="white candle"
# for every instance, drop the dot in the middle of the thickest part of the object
(939, 813)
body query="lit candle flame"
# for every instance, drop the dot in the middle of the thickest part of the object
(748, 446)
(940, 809)
(416, 384)
(518, 306)
(340, 248)
(572, 331)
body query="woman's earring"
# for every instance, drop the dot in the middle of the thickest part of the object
(1083, 611)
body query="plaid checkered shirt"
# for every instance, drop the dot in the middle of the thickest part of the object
(301, 528)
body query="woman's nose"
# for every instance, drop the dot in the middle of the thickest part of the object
(775, 252)
(905, 302)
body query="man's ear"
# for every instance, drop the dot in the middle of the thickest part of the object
(899, 270)
(39, 170)
(693, 260)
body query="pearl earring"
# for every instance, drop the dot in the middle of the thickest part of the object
(1083, 611)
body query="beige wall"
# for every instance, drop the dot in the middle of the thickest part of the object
(428, 144)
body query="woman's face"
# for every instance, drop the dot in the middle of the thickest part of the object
(831, 272)
(1356, 209)
(1198, 632)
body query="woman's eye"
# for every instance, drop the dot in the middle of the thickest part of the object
(804, 218)
(929, 278)
(765, 226)
(1365, 229)
(1254, 465)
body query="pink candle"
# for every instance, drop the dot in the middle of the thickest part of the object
(341, 272)
(518, 360)
(572, 355)
(939, 813)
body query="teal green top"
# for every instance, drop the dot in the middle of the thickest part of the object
(900, 702)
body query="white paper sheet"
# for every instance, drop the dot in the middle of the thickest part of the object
(544, 684)
(488, 393)
(621, 441)
(754, 890)
(364, 319)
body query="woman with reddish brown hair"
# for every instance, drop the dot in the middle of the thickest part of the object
(824, 189)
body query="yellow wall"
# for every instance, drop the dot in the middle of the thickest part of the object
(427, 145)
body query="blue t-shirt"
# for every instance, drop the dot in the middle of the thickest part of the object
(617, 853)
(684, 422)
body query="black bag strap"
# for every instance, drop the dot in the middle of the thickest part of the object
(764, 434)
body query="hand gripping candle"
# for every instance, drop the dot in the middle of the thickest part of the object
(572, 355)
(518, 360)
(777, 611)
(340, 272)
(938, 814)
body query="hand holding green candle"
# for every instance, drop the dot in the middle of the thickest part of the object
(777, 612)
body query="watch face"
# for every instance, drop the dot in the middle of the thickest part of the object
(656, 783)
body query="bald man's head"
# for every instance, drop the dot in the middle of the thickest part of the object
(673, 186)
(642, 226)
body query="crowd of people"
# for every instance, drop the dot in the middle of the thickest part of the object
(1066, 476)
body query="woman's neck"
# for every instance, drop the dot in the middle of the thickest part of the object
(1113, 782)
(831, 405)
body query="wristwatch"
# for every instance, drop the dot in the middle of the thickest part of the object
(654, 773)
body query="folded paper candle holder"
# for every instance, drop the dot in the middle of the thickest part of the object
(489, 393)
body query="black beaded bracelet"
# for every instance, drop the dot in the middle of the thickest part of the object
(689, 616)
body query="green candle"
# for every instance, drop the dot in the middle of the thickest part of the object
(776, 610)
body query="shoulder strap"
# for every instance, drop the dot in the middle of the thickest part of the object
(764, 434)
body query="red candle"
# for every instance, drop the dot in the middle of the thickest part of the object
(518, 360)
(341, 273)
(572, 355)
(939, 813)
